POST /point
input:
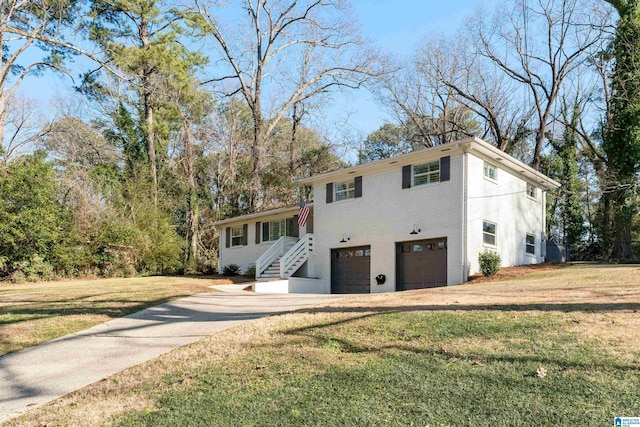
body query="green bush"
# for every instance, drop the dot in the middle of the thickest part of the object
(157, 242)
(33, 269)
(231, 270)
(489, 262)
(250, 272)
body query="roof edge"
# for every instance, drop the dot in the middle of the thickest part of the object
(254, 215)
(465, 145)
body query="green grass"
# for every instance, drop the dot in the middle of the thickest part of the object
(38, 312)
(553, 348)
(408, 369)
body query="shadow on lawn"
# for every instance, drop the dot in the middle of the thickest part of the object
(111, 308)
(479, 358)
(315, 332)
(545, 307)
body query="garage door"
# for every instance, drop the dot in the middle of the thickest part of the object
(421, 264)
(351, 270)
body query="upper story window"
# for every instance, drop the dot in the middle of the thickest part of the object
(273, 230)
(426, 173)
(489, 233)
(532, 191)
(237, 236)
(345, 190)
(490, 171)
(530, 243)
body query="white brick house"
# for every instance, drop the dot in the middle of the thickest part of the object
(412, 221)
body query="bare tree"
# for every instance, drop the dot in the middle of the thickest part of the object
(477, 85)
(539, 44)
(23, 127)
(35, 36)
(264, 60)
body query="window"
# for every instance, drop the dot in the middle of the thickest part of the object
(490, 171)
(489, 233)
(426, 173)
(237, 236)
(345, 190)
(532, 191)
(531, 244)
(273, 230)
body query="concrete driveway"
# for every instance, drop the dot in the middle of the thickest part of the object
(34, 376)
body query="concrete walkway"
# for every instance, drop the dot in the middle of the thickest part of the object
(39, 374)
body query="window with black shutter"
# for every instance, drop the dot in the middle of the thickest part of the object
(330, 192)
(358, 187)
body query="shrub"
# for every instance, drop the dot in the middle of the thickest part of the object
(32, 270)
(231, 270)
(250, 272)
(489, 262)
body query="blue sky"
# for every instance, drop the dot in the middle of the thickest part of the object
(394, 26)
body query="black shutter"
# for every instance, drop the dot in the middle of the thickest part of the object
(445, 168)
(330, 192)
(228, 237)
(245, 232)
(258, 230)
(406, 176)
(295, 227)
(310, 221)
(358, 182)
(265, 231)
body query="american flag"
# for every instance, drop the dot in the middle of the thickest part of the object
(303, 213)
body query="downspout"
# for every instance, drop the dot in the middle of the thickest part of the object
(543, 235)
(465, 165)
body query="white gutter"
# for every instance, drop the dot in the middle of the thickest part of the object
(255, 215)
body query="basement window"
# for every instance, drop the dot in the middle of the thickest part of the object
(530, 243)
(489, 233)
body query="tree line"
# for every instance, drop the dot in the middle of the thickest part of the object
(190, 112)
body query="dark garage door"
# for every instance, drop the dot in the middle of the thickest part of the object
(421, 264)
(351, 270)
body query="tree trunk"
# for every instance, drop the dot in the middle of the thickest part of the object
(3, 101)
(606, 224)
(622, 220)
(295, 121)
(255, 184)
(148, 114)
(193, 208)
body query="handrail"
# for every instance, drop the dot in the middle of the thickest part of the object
(298, 252)
(270, 255)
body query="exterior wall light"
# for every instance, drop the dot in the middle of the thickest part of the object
(415, 230)
(344, 238)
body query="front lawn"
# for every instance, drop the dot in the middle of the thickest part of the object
(557, 347)
(33, 313)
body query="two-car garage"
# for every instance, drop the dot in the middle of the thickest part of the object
(419, 264)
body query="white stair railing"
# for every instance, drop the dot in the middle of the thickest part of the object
(296, 256)
(274, 252)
